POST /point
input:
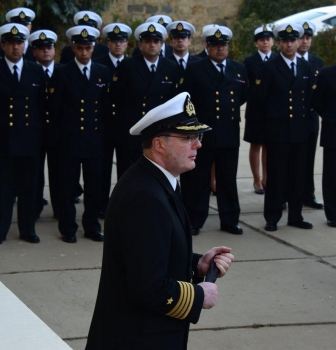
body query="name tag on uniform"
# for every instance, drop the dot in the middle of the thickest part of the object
(166, 82)
(240, 81)
(305, 77)
(36, 85)
(100, 85)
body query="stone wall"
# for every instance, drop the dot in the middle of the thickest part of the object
(197, 12)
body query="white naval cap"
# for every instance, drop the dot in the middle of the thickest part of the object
(309, 28)
(82, 34)
(117, 31)
(20, 15)
(217, 34)
(162, 19)
(43, 37)
(13, 31)
(208, 26)
(88, 18)
(177, 115)
(288, 31)
(180, 28)
(263, 32)
(150, 30)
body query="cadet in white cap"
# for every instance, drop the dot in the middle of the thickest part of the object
(22, 93)
(43, 44)
(281, 99)
(87, 18)
(254, 131)
(145, 211)
(223, 84)
(180, 33)
(316, 62)
(24, 16)
(166, 50)
(79, 95)
(117, 35)
(204, 53)
(149, 79)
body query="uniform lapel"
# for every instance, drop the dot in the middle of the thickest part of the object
(284, 69)
(211, 70)
(6, 74)
(142, 68)
(76, 75)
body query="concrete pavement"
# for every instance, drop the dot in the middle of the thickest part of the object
(280, 292)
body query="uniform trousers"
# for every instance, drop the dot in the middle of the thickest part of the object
(18, 177)
(329, 182)
(51, 152)
(286, 170)
(195, 186)
(309, 193)
(69, 175)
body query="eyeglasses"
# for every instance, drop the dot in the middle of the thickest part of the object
(189, 139)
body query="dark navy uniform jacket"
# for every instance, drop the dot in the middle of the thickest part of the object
(146, 296)
(81, 107)
(217, 99)
(21, 109)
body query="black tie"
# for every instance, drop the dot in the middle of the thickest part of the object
(84, 72)
(292, 68)
(46, 72)
(303, 58)
(161, 53)
(15, 74)
(181, 60)
(178, 191)
(266, 58)
(117, 63)
(152, 70)
(221, 66)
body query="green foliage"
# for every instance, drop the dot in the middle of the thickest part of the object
(324, 46)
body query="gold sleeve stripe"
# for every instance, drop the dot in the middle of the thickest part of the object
(185, 302)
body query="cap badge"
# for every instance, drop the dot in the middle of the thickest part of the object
(84, 33)
(151, 28)
(258, 81)
(289, 29)
(189, 107)
(86, 18)
(116, 30)
(161, 20)
(305, 25)
(22, 15)
(42, 36)
(218, 34)
(179, 26)
(14, 30)
(265, 29)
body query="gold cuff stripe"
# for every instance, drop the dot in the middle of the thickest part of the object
(185, 302)
(196, 127)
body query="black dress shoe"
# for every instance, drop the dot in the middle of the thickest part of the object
(101, 215)
(44, 201)
(69, 239)
(234, 229)
(271, 226)
(76, 200)
(95, 236)
(31, 238)
(331, 223)
(258, 191)
(313, 204)
(301, 224)
(194, 230)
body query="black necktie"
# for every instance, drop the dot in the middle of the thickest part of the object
(178, 191)
(117, 64)
(152, 70)
(15, 73)
(303, 58)
(221, 66)
(46, 72)
(266, 58)
(292, 68)
(181, 60)
(84, 72)
(161, 53)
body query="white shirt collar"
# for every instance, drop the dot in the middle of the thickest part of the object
(215, 64)
(185, 58)
(81, 66)
(150, 63)
(263, 55)
(305, 56)
(289, 61)
(18, 64)
(171, 178)
(50, 68)
(114, 59)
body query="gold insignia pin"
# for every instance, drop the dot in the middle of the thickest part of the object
(258, 82)
(14, 30)
(99, 80)
(161, 21)
(238, 75)
(42, 36)
(305, 25)
(116, 30)
(22, 15)
(181, 81)
(179, 26)
(166, 78)
(218, 34)
(314, 86)
(115, 78)
(190, 108)
(86, 18)
(169, 301)
(51, 90)
(289, 29)
(151, 28)
(265, 29)
(84, 33)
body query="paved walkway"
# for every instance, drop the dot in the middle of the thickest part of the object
(280, 292)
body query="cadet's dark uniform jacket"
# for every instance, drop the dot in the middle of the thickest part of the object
(67, 54)
(148, 306)
(202, 54)
(324, 102)
(21, 108)
(217, 100)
